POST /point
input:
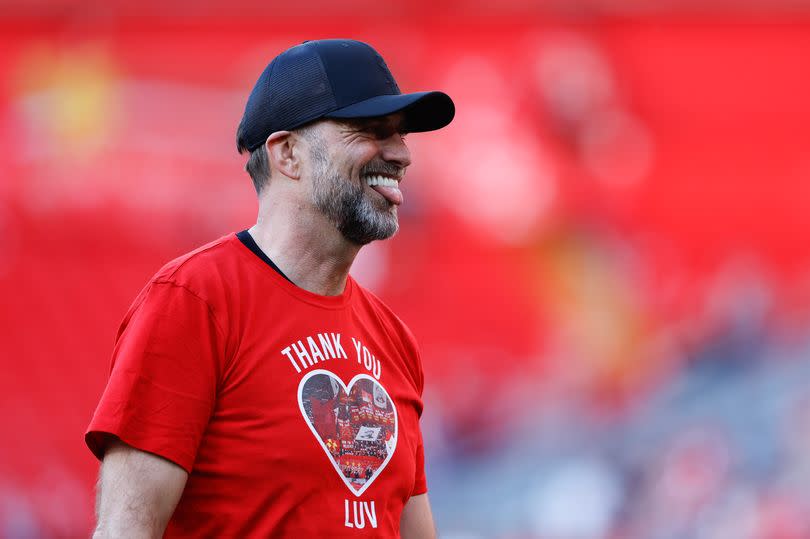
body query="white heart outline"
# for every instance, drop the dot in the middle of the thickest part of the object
(347, 389)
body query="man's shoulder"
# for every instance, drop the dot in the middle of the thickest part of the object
(383, 312)
(397, 330)
(205, 265)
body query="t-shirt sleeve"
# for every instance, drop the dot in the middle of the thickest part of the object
(162, 386)
(420, 481)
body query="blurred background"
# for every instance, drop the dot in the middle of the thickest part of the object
(605, 256)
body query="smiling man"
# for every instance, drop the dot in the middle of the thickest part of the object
(256, 389)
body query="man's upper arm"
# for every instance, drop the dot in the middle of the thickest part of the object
(138, 492)
(163, 384)
(417, 519)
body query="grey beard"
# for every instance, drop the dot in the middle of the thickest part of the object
(351, 211)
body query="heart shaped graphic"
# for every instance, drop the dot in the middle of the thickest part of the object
(356, 424)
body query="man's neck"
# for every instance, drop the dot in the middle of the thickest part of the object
(310, 252)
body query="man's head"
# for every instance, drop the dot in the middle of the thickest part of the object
(338, 104)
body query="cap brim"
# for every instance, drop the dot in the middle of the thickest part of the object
(424, 111)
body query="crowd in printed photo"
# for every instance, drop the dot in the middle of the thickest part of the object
(358, 428)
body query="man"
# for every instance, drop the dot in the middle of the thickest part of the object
(220, 416)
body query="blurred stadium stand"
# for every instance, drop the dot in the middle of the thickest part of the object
(605, 257)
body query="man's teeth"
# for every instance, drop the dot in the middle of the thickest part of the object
(381, 180)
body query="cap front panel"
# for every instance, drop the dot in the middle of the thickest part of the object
(356, 71)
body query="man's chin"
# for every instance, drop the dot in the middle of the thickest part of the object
(364, 235)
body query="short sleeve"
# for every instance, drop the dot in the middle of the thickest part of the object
(420, 481)
(162, 387)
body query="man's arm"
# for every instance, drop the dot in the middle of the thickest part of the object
(137, 493)
(417, 519)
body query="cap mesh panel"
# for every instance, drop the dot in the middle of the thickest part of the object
(306, 97)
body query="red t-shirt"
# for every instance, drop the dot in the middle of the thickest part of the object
(296, 415)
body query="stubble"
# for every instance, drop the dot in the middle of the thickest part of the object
(347, 205)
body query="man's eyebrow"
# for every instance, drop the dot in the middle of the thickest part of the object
(353, 123)
(366, 122)
(376, 124)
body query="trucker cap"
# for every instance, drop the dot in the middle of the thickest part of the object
(333, 78)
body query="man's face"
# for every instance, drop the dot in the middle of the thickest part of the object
(356, 169)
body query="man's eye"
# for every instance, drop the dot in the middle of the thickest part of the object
(381, 133)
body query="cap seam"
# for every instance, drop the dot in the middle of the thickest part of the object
(385, 70)
(328, 80)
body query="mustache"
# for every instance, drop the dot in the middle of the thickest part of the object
(382, 168)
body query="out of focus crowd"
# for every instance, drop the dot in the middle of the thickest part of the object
(720, 449)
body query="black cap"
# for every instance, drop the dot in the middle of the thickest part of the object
(333, 78)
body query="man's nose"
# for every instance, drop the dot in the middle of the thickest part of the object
(394, 150)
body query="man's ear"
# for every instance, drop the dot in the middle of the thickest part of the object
(281, 155)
